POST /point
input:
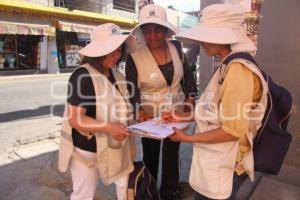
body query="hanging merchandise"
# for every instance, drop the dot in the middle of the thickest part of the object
(72, 56)
(251, 26)
(2, 61)
(256, 6)
(8, 53)
(244, 4)
(252, 20)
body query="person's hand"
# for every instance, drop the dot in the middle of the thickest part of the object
(189, 104)
(143, 116)
(178, 135)
(118, 130)
(170, 116)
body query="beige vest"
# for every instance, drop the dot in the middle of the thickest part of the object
(213, 165)
(151, 82)
(110, 107)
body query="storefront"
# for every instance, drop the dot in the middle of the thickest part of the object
(20, 52)
(22, 41)
(70, 37)
(38, 38)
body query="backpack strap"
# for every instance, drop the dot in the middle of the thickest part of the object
(181, 55)
(239, 55)
(248, 57)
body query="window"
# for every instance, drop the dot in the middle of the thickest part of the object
(59, 3)
(126, 5)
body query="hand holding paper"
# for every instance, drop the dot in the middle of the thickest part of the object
(178, 136)
(156, 129)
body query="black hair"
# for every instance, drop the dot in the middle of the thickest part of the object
(158, 25)
(96, 61)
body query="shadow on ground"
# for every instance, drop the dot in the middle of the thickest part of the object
(37, 178)
(55, 110)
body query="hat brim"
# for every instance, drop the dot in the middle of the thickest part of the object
(204, 33)
(98, 48)
(172, 30)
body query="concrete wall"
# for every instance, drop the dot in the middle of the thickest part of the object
(278, 54)
(42, 2)
(92, 6)
(100, 6)
(111, 11)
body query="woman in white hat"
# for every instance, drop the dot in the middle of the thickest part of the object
(157, 73)
(222, 151)
(95, 141)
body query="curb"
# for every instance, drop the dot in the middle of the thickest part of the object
(29, 150)
(31, 77)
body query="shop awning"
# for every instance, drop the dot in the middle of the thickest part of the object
(25, 25)
(26, 29)
(74, 27)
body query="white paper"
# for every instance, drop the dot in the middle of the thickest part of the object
(156, 129)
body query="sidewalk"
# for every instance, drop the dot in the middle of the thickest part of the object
(29, 172)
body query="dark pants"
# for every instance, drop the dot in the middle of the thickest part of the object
(170, 162)
(237, 182)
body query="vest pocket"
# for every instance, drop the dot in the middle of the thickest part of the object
(118, 160)
(205, 173)
(226, 180)
(64, 154)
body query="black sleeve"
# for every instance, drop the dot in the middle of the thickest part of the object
(80, 89)
(178, 47)
(188, 83)
(132, 78)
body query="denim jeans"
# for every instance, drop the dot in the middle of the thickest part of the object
(237, 182)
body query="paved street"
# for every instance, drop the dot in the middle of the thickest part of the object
(30, 109)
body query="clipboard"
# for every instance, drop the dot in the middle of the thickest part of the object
(156, 129)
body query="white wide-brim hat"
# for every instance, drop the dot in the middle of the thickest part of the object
(205, 33)
(105, 39)
(154, 14)
(220, 24)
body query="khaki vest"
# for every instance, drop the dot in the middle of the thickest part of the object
(213, 165)
(110, 107)
(151, 82)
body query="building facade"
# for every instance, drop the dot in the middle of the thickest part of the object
(123, 8)
(44, 36)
